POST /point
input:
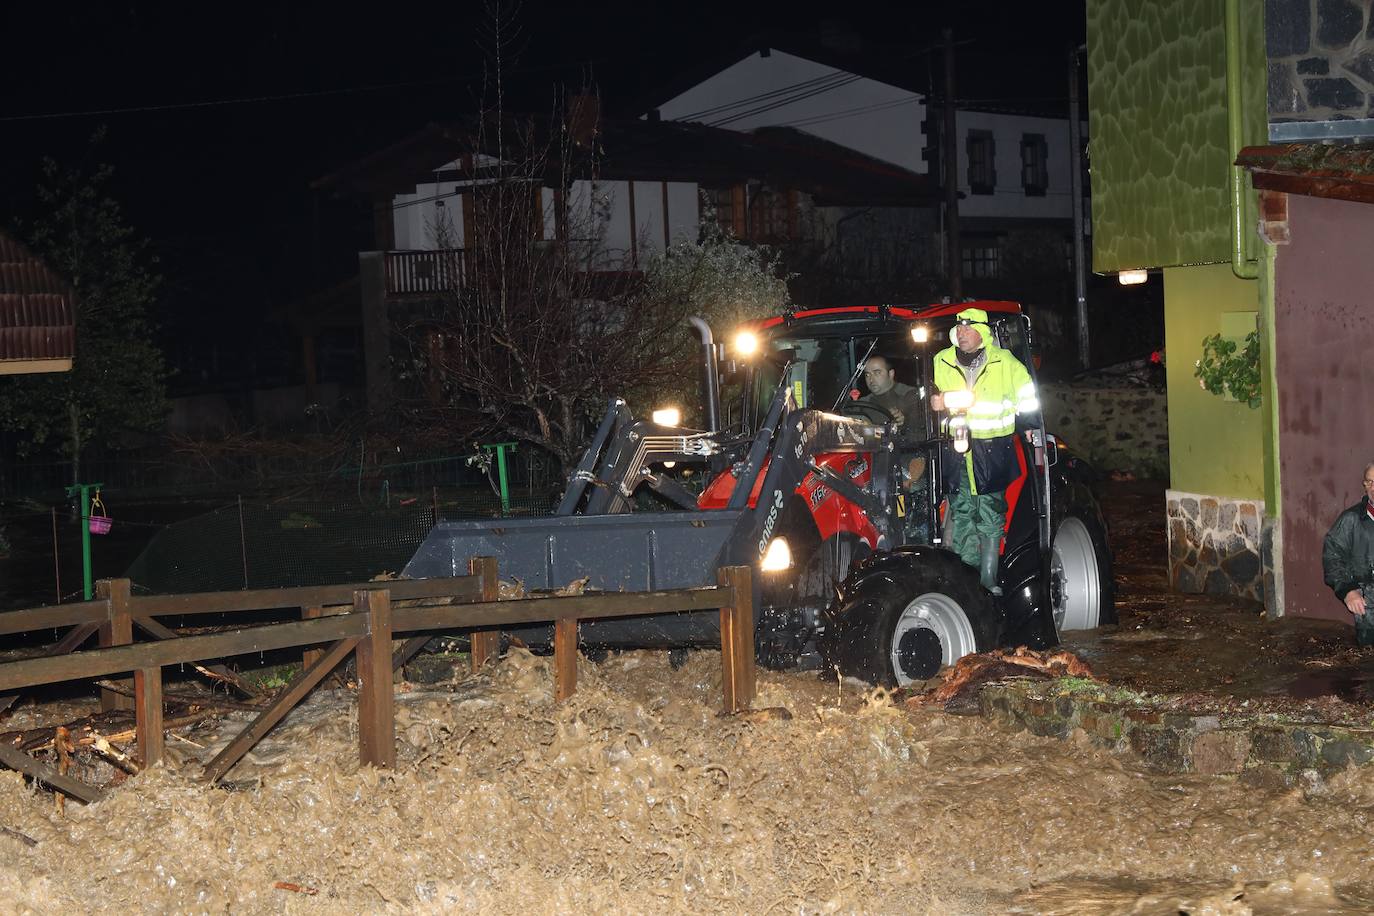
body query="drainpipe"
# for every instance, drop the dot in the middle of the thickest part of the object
(1243, 267)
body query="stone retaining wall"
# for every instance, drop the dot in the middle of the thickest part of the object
(1215, 545)
(1114, 428)
(1264, 752)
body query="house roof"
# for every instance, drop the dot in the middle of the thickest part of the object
(1025, 80)
(37, 328)
(643, 150)
(1342, 171)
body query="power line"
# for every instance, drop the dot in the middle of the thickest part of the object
(749, 100)
(763, 109)
(849, 112)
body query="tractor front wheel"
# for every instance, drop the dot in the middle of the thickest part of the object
(906, 616)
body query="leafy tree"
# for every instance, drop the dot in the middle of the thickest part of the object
(117, 381)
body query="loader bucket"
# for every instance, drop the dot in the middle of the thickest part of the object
(642, 551)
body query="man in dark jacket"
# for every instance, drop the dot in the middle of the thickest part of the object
(1348, 560)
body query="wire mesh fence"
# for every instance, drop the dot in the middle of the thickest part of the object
(352, 524)
(278, 544)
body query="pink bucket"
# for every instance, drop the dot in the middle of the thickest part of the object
(99, 524)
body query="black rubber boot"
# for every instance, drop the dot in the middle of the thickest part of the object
(987, 569)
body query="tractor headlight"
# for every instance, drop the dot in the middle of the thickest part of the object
(667, 416)
(920, 333)
(959, 400)
(777, 557)
(746, 343)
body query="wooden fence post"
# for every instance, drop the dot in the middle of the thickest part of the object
(564, 658)
(737, 638)
(484, 644)
(148, 713)
(311, 655)
(117, 631)
(376, 700)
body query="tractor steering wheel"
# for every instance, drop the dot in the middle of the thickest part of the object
(865, 411)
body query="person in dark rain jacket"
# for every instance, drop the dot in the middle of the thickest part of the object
(1348, 560)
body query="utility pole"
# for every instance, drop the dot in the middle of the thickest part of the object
(954, 259)
(1080, 266)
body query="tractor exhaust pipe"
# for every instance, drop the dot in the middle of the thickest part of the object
(710, 376)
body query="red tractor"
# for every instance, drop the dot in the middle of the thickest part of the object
(837, 508)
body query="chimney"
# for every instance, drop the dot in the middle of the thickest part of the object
(584, 118)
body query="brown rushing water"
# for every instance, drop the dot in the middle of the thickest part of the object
(635, 797)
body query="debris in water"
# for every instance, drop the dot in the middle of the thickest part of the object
(972, 671)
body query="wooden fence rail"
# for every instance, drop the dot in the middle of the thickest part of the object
(364, 627)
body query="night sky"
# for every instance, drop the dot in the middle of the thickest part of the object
(216, 121)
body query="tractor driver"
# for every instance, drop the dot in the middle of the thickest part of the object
(1002, 388)
(903, 404)
(887, 394)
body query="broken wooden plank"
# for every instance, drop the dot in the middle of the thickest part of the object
(376, 698)
(290, 695)
(16, 759)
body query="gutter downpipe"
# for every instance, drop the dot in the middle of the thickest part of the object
(1261, 268)
(1243, 267)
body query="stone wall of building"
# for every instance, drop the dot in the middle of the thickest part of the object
(1116, 429)
(1216, 545)
(1321, 59)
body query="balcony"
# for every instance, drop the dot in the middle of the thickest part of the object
(425, 273)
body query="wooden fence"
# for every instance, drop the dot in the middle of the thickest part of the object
(361, 619)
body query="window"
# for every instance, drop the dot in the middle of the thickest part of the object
(772, 215)
(982, 175)
(755, 213)
(1035, 173)
(982, 257)
(729, 206)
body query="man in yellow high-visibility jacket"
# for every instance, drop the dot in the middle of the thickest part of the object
(1002, 388)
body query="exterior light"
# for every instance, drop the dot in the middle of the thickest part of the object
(920, 333)
(746, 344)
(667, 416)
(778, 556)
(1131, 277)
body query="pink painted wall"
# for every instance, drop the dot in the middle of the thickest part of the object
(1324, 329)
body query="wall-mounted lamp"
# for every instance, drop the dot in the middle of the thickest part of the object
(1131, 277)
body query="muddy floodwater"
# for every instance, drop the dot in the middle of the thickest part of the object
(635, 797)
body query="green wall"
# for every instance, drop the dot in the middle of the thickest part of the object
(1157, 122)
(1216, 447)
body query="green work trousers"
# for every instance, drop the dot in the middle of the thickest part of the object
(975, 518)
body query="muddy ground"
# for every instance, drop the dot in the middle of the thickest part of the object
(635, 797)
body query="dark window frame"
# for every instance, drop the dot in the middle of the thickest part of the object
(981, 148)
(1035, 169)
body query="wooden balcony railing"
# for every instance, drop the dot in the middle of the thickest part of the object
(425, 273)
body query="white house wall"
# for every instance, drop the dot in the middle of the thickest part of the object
(420, 219)
(874, 118)
(1009, 198)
